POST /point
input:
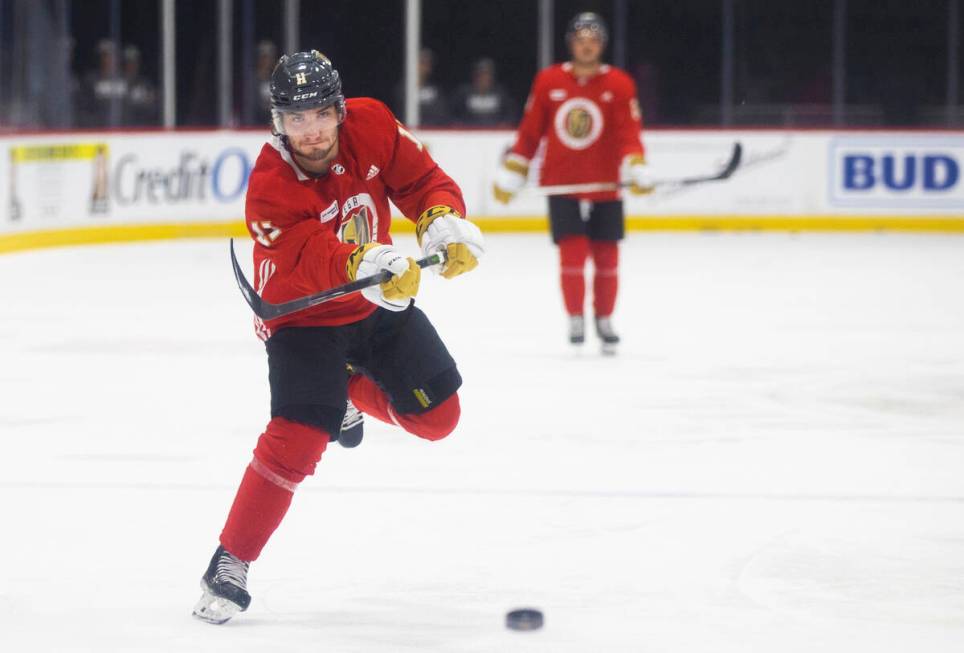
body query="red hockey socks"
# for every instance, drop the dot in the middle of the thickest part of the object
(287, 452)
(573, 252)
(434, 424)
(258, 509)
(605, 282)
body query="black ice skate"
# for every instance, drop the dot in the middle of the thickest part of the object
(225, 591)
(352, 427)
(604, 329)
(577, 329)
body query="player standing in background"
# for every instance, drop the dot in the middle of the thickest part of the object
(317, 209)
(589, 116)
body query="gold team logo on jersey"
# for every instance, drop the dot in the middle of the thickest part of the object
(359, 220)
(355, 228)
(578, 123)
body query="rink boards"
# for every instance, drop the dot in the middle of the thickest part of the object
(71, 188)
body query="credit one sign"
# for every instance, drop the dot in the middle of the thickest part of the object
(897, 172)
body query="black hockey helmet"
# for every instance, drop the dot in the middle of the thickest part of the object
(302, 81)
(588, 21)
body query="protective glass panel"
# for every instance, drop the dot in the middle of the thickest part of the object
(783, 61)
(481, 61)
(673, 50)
(896, 62)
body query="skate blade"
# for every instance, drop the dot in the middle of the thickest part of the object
(215, 609)
(610, 349)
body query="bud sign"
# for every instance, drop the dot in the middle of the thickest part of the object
(897, 172)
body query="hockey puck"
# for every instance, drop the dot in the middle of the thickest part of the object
(524, 619)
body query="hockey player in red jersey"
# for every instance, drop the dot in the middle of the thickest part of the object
(317, 209)
(589, 117)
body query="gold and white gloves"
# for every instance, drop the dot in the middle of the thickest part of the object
(394, 294)
(510, 178)
(441, 228)
(637, 172)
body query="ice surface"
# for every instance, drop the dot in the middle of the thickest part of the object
(773, 462)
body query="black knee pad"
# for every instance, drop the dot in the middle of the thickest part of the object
(430, 394)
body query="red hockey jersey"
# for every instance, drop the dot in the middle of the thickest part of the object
(304, 227)
(590, 126)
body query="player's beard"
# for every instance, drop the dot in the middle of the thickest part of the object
(315, 157)
(315, 153)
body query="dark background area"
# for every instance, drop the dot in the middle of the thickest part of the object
(896, 71)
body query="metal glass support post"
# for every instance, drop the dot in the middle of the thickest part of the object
(839, 62)
(292, 15)
(726, 75)
(225, 63)
(413, 43)
(66, 110)
(114, 109)
(34, 66)
(249, 92)
(546, 13)
(953, 55)
(17, 88)
(619, 33)
(168, 64)
(3, 89)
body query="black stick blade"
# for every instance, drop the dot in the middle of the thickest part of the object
(249, 294)
(735, 157)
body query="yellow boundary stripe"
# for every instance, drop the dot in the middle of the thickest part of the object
(28, 240)
(118, 234)
(911, 223)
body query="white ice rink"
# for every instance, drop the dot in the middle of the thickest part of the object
(773, 463)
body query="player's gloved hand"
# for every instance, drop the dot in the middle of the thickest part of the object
(441, 228)
(509, 179)
(640, 180)
(394, 294)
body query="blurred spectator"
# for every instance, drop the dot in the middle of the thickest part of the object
(484, 102)
(101, 87)
(432, 106)
(267, 58)
(140, 100)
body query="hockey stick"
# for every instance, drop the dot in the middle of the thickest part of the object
(268, 311)
(570, 189)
